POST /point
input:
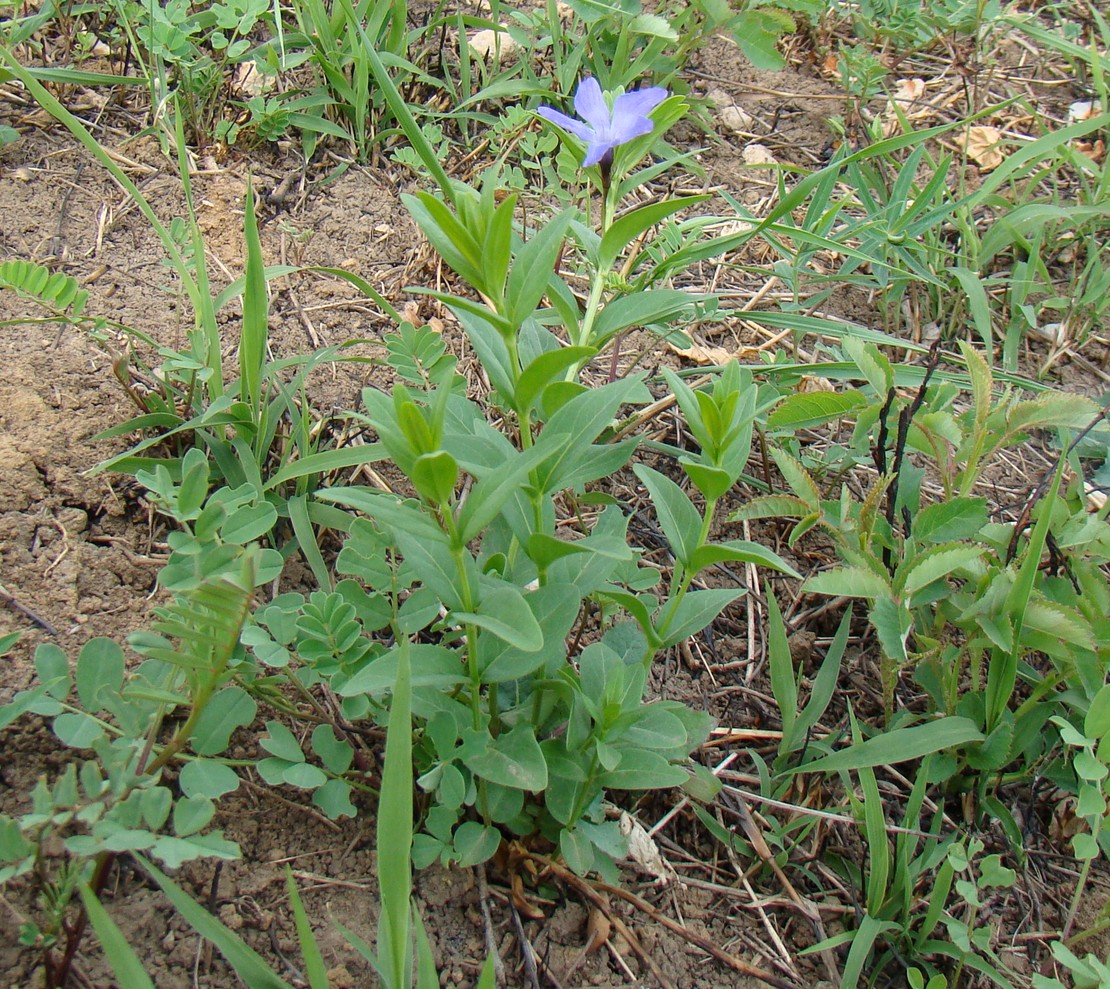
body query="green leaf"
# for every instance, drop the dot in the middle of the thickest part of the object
(643, 769)
(249, 523)
(624, 231)
(314, 966)
(475, 843)
(335, 753)
(504, 612)
(577, 851)
(899, 745)
(873, 363)
(77, 730)
(851, 582)
(207, 778)
(771, 507)
(784, 684)
(228, 709)
(1096, 725)
(334, 799)
(435, 475)
(513, 759)
(740, 551)
(808, 409)
(798, 478)
(679, 518)
(394, 829)
(451, 240)
(544, 370)
(191, 814)
(304, 776)
(934, 564)
(712, 482)
(281, 742)
(555, 607)
(644, 308)
(955, 519)
(696, 610)
(100, 667)
(533, 266)
(892, 621)
(254, 329)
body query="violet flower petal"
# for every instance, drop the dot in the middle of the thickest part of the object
(590, 104)
(638, 103)
(580, 130)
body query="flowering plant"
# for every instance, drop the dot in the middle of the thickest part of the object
(607, 126)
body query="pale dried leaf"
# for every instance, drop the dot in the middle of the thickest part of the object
(250, 82)
(813, 383)
(1083, 110)
(984, 147)
(702, 354)
(598, 929)
(906, 100)
(1096, 499)
(643, 850)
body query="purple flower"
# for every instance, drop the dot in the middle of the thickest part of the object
(606, 129)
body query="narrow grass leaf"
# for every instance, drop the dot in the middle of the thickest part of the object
(783, 682)
(125, 963)
(394, 834)
(314, 966)
(900, 745)
(250, 966)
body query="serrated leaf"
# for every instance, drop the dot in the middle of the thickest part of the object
(892, 622)
(771, 507)
(808, 409)
(798, 478)
(850, 582)
(957, 518)
(935, 564)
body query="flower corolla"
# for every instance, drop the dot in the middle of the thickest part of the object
(606, 128)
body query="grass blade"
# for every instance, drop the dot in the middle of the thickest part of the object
(125, 964)
(248, 964)
(314, 967)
